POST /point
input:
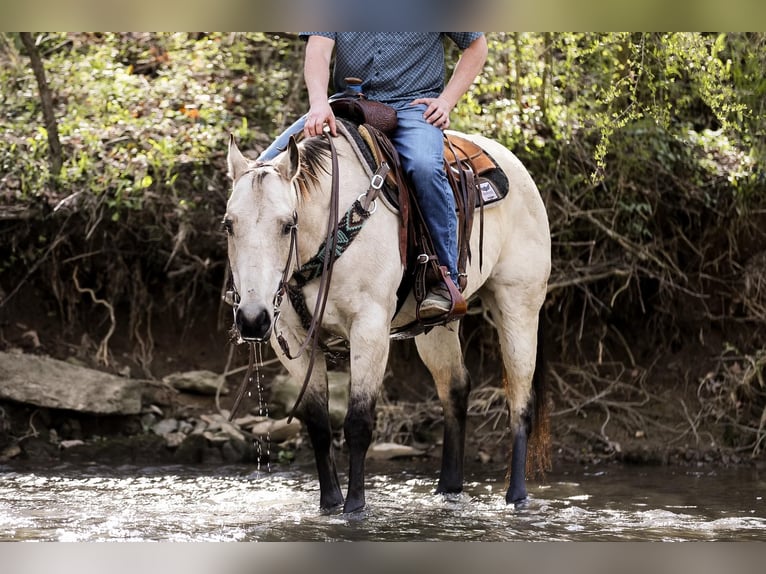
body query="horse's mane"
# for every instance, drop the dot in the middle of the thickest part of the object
(315, 153)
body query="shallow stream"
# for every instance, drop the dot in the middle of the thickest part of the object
(238, 503)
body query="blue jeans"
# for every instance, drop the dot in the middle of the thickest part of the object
(421, 150)
(280, 144)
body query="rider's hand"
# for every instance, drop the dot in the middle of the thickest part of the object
(318, 116)
(437, 111)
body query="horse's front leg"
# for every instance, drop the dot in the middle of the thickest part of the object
(313, 411)
(369, 354)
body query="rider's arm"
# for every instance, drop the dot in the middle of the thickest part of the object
(316, 71)
(468, 67)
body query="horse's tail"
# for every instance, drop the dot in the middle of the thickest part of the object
(539, 445)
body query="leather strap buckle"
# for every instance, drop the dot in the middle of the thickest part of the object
(377, 181)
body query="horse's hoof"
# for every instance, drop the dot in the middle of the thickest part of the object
(447, 490)
(334, 509)
(354, 507)
(520, 503)
(517, 497)
(331, 503)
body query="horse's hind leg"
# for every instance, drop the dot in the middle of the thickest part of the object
(440, 351)
(517, 324)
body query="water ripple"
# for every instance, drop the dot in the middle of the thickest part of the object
(235, 504)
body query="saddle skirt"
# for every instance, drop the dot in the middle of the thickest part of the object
(491, 181)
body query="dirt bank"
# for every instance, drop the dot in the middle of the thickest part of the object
(626, 418)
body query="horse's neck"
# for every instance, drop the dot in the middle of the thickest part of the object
(313, 210)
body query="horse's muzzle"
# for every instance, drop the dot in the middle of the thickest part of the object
(253, 328)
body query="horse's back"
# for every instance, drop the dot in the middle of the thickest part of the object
(516, 235)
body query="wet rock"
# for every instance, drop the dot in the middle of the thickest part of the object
(165, 426)
(191, 450)
(148, 420)
(174, 439)
(219, 424)
(154, 409)
(218, 437)
(158, 393)
(212, 455)
(277, 430)
(199, 382)
(64, 444)
(390, 450)
(199, 427)
(50, 383)
(140, 449)
(248, 420)
(10, 452)
(38, 449)
(235, 451)
(185, 427)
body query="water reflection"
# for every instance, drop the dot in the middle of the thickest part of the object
(177, 503)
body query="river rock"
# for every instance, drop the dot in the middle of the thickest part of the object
(50, 383)
(174, 439)
(199, 382)
(277, 430)
(10, 452)
(218, 426)
(216, 437)
(389, 450)
(165, 426)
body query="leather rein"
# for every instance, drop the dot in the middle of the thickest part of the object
(312, 340)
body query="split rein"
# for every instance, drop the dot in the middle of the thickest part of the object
(311, 342)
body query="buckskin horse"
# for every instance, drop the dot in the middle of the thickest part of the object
(277, 216)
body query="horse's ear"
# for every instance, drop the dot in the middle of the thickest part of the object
(237, 162)
(290, 164)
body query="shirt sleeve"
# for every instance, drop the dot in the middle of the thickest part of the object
(464, 39)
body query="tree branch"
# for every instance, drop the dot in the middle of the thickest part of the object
(46, 98)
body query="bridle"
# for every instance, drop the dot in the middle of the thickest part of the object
(311, 341)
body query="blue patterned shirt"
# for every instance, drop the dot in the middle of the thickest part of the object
(394, 66)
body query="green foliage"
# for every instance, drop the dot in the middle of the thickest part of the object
(133, 109)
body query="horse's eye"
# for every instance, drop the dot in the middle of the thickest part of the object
(287, 228)
(228, 226)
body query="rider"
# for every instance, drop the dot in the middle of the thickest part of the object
(405, 70)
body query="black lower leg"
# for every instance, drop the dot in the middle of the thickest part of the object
(517, 490)
(451, 476)
(357, 429)
(320, 432)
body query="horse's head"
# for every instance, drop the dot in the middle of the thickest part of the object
(259, 222)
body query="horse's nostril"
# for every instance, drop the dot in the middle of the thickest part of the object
(257, 327)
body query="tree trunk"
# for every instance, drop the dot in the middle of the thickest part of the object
(46, 98)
